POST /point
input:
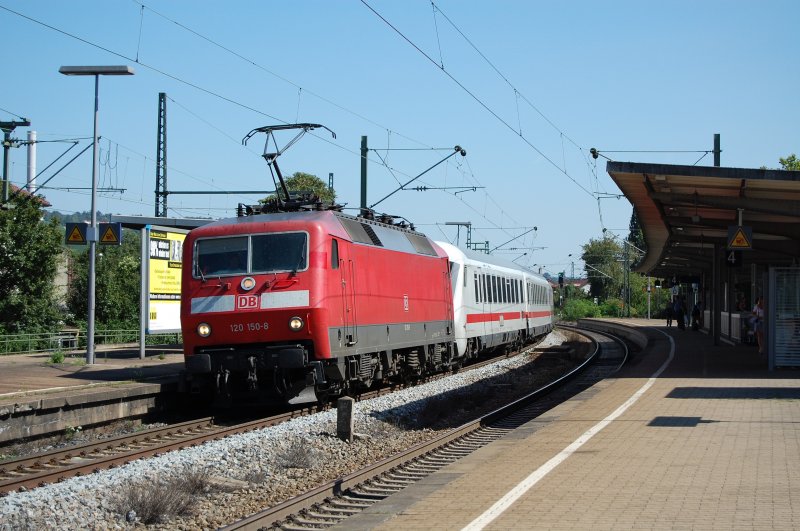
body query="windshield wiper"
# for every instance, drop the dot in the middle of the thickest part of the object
(299, 262)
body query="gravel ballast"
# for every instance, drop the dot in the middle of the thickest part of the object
(243, 473)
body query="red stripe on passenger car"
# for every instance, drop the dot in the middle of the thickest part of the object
(538, 314)
(490, 317)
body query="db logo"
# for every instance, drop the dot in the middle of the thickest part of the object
(247, 302)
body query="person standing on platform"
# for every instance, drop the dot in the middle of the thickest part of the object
(668, 313)
(696, 317)
(758, 323)
(680, 313)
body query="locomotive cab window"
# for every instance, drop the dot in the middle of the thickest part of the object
(279, 252)
(259, 253)
(221, 256)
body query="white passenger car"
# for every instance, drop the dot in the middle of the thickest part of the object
(496, 303)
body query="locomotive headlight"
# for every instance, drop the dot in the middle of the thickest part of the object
(296, 324)
(248, 283)
(204, 330)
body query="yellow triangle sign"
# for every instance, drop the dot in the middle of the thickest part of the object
(109, 236)
(739, 240)
(75, 236)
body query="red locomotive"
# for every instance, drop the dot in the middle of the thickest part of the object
(308, 303)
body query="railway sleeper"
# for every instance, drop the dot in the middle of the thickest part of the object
(389, 480)
(312, 519)
(358, 492)
(335, 509)
(349, 501)
(389, 486)
(290, 527)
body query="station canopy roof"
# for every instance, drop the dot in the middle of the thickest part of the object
(685, 211)
(139, 222)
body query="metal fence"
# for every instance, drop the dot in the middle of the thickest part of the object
(76, 339)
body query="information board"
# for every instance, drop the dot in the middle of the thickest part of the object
(165, 267)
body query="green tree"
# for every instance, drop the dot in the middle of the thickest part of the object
(29, 252)
(636, 235)
(604, 272)
(300, 181)
(117, 289)
(791, 163)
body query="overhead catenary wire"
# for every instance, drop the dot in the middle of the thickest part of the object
(517, 93)
(13, 114)
(268, 71)
(476, 98)
(198, 87)
(60, 169)
(165, 73)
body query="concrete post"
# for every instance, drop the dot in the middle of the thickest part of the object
(344, 418)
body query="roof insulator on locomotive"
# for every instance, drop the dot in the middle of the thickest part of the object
(246, 210)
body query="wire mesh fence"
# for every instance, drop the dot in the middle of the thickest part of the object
(75, 339)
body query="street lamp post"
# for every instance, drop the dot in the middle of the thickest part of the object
(91, 233)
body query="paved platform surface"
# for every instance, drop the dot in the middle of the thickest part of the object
(711, 442)
(30, 375)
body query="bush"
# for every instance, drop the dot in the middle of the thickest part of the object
(611, 308)
(575, 309)
(155, 503)
(297, 455)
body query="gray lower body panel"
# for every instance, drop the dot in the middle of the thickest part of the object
(384, 337)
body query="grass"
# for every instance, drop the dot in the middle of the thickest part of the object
(296, 455)
(157, 503)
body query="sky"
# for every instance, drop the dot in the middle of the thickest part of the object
(527, 88)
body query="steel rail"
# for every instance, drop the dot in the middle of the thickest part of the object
(268, 517)
(58, 465)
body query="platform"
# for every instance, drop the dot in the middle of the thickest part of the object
(41, 398)
(687, 436)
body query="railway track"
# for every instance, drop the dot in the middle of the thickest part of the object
(331, 504)
(57, 465)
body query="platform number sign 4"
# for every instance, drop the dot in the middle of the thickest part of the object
(734, 259)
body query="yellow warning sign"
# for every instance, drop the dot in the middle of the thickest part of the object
(75, 236)
(739, 238)
(109, 236)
